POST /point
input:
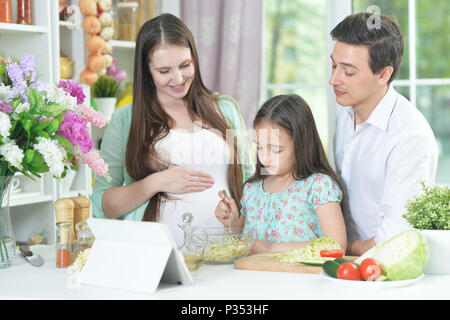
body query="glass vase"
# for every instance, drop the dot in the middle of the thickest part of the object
(7, 241)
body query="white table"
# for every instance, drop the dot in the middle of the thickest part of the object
(214, 282)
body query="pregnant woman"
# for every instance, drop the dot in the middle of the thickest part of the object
(177, 144)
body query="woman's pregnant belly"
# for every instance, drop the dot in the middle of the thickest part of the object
(202, 204)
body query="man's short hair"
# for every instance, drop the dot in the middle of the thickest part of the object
(384, 39)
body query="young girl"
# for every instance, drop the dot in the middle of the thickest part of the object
(294, 196)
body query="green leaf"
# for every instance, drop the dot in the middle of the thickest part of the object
(41, 126)
(54, 109)
(61, 116)
(29, 155)
(54, 126)
(63, 141)
(43, 134)
(16, 102)
(42, 169)
(27, 124)
(32, 96)
(64, 173)
(37, 160)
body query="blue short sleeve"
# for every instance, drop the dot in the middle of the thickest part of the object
(323, 189)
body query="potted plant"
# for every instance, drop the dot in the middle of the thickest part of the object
(430, 213)
(105, 91)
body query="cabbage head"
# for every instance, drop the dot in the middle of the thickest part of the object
(402, 257)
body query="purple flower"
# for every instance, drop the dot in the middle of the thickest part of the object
(28, 67)
(15, 73)
(74, 129)
(72, 88)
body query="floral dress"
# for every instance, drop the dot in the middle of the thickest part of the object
(289, 215)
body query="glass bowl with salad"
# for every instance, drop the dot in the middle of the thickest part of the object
(227, 245)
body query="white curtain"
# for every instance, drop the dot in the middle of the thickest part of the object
(228, 36)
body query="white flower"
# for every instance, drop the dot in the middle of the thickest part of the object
(19, 109)
(12, 153)
(54, 155)
(22, 107)
(5, 92)
(58, 95)
(5, 125)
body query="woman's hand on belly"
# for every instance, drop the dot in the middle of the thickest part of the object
(180, 180)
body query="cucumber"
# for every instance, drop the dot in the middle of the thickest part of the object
(330, 267)
(342, 260)
(315, 261)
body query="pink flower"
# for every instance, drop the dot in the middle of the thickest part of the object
(96, 163)
(75, 129)
(4, 107)
(92, 116)
(72, 88)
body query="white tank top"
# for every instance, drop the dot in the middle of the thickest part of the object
(203, 150)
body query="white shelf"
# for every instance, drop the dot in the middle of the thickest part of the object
(73, 193)
(21, 28)
(25, 198)
(123, 44)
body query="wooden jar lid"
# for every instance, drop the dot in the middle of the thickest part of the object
(81, 202)
(64, 203)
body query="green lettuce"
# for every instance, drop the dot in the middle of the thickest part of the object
(402, 257)
(310, 252)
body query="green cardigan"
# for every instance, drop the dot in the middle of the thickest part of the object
(114, 144)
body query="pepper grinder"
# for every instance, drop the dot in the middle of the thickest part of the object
(81, 211)
(64, 212)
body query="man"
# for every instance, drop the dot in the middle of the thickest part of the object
(384, 147)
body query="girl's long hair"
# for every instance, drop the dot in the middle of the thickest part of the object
(293, 114)
(150, 123)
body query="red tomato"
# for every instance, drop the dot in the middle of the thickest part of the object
(348, 271)
(370, 269)
(337, 253)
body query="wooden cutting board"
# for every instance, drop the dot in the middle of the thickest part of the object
(264, 262)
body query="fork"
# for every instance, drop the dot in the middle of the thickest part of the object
(228, 228)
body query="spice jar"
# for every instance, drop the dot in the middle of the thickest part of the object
(195, 241)
(127, 15)
(64, 212)
(81, 211)
(63, 245)
(85, 238)
(6, 11)
(24, 12)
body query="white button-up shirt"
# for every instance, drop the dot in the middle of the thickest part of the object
(382, 162)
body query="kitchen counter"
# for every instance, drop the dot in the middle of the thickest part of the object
(213, 282)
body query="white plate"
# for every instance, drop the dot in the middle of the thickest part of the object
(371, 284)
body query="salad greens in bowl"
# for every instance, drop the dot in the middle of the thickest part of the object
(225, 247)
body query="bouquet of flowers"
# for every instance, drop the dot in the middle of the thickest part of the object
(44, 127)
